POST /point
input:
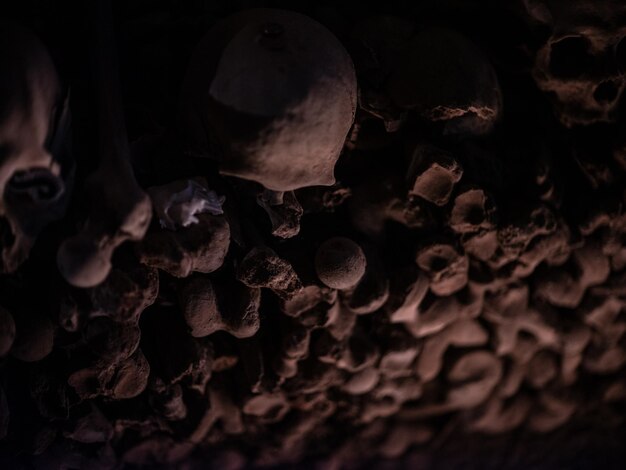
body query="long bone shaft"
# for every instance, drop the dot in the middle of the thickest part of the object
(120, 210)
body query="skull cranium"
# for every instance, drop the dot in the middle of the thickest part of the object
(583, 62)
(32, 191)
(271, 95)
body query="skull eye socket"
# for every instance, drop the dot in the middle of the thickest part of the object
(570, 57)
(620, 55)
(36, 186)
(606, 92)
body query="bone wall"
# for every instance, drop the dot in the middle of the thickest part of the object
(326, 236)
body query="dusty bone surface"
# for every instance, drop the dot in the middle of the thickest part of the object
(339, 236)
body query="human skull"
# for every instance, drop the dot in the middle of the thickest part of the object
(583, 63)
(32, 115)
(271, 95)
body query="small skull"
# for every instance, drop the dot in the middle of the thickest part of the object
(583, 61)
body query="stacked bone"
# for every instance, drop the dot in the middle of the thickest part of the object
(263, 318)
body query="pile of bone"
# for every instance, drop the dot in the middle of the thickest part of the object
(269, 313)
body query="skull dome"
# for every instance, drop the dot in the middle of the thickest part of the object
(271, 95)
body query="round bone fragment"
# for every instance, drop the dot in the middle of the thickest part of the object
(271, 95)
(340, 263)
(372, 291)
